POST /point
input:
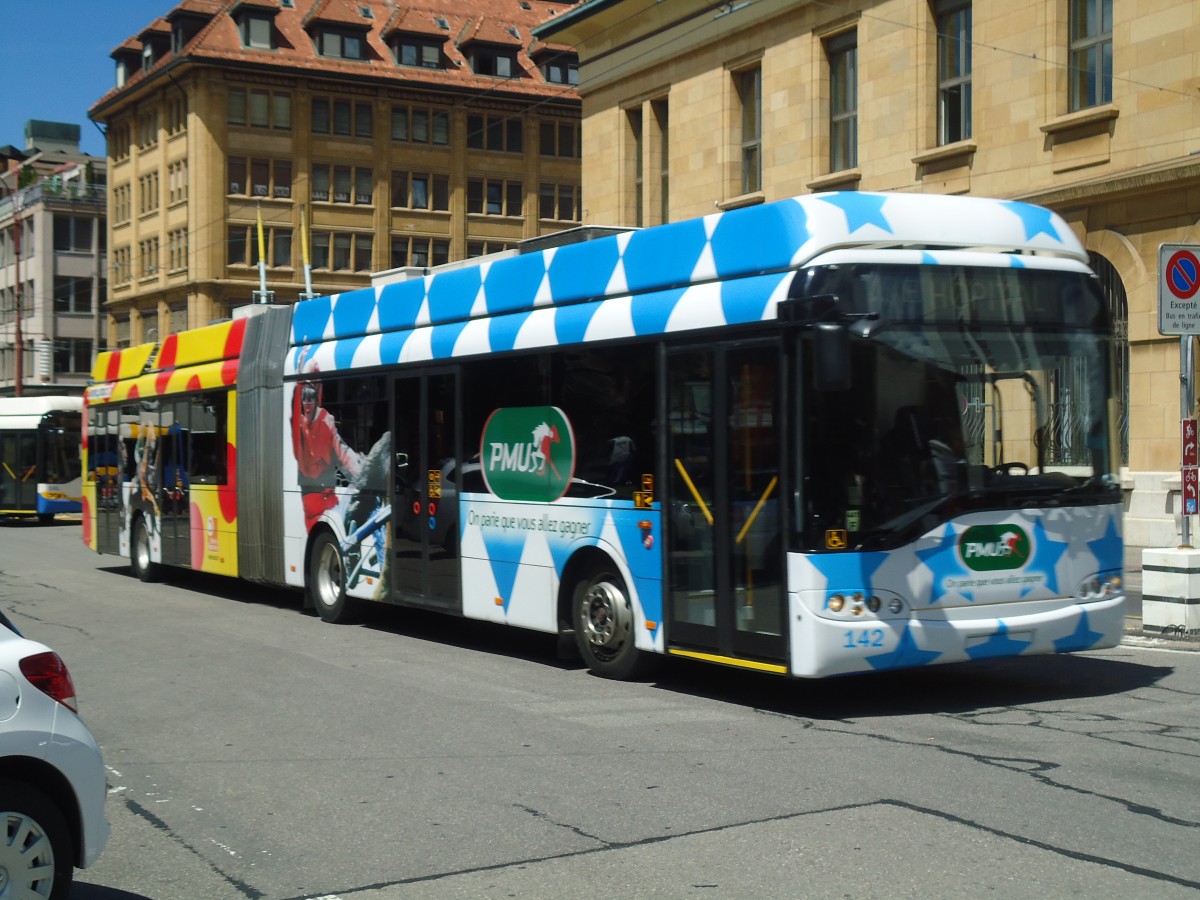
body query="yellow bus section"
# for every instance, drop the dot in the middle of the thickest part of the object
(203, 359)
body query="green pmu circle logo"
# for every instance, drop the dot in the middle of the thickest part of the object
(988, 548)
(528, 453)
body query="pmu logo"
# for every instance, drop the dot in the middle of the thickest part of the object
(988, 548)
(528, 453)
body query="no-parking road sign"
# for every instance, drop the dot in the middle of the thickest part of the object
(1179, 288)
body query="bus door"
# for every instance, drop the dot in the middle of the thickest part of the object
(726, 564)
(173, 496)
(18, 470)
(106, 461)
(427, 475)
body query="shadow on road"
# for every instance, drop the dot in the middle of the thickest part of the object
(83, 891)
(952, 688)
(935, 689)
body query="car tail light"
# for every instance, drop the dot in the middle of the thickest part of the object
(48, 673)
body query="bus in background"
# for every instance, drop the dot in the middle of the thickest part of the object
(839, 433)
(39, 456)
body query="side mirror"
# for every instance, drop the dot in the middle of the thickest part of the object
(831, 357)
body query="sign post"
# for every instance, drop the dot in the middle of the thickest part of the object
(1179, 313)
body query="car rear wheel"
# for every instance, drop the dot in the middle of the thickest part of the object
(327, 581)
(140, 560)
(36, 854)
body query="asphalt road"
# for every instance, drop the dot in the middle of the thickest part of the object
(255, 752)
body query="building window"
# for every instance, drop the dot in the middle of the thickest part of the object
(177, 186)
(1090, 67)
(122, 265)
(341, 44)
(260, 177)
(176, 114)
(420, 190)
(148, 257)
(341, 117)
(635, 149)
(148, 129)
(73, 296)
(558, 202)
(749, 91)
(178, 320)
(503, 133)
(72, 356)
(561, 69)
(148, 193)
(495, 61)
(559, 139)
(256, 30)
(121, 204)
(495, 196)
(177, 250)
(420, 125)
(342, 251)
(483, 248)
(842, 51)
(243, 246)
(343, 184)
(119, 142)
(260, 108)
(419, 251)
(415, 51)
(659, 111)
(954, 70)
(73, 234)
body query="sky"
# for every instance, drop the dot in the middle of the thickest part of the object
(55, 63)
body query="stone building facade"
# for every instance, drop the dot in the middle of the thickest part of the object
(369, 133)
(1089, 107)
(52, 261)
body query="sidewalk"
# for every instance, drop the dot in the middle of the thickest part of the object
(1133, 618)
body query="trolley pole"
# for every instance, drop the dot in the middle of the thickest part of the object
(18, 335)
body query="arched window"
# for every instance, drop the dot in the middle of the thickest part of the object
(1118, 306)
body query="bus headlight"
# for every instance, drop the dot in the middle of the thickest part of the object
(1099, 586)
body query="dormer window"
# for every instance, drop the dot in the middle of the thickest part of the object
(257, 30)
(561, 69)
(500, 62)
(122, 72)
(147, 58)
(411, 50)
(337, 43)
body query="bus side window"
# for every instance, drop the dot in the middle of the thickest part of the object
(210, 437)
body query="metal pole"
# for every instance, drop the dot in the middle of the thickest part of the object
(1186, 403)
(18, 336)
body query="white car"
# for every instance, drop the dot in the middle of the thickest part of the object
(52, 783)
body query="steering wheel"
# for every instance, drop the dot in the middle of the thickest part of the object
(1008, 468)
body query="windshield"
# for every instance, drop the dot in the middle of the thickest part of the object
(978, 388)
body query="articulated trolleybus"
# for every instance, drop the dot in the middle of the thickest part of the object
(838, 433)
(39, 456)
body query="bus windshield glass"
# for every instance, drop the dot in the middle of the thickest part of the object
(973, 388)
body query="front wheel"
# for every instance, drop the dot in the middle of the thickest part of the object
(36, 855)
(140, 560)
(327, 581)
(603, 618)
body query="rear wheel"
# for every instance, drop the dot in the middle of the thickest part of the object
(327, 581)
(36, 854)
(603, 618)
(140, 560)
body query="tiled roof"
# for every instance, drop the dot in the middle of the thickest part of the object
(158, 28)
(411, 20)
(487, 21)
